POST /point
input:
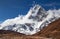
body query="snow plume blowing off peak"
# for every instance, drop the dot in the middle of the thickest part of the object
(35, 20)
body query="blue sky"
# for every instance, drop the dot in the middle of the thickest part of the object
(12, 8)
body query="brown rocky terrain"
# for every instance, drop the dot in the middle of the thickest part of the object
(52, 31)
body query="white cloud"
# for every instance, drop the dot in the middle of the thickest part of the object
(51, 4)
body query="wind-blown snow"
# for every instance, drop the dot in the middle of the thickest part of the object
(33, 22)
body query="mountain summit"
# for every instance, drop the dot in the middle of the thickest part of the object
(36, 19)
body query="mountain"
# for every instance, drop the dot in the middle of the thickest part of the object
(36, 19)
(52, 31)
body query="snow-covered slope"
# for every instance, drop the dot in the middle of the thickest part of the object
(35, 20)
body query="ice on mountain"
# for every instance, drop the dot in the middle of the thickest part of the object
(38, 13)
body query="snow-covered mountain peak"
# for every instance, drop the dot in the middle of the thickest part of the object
(36, 12)
(35, 20)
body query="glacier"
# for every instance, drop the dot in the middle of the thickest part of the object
(35, 20)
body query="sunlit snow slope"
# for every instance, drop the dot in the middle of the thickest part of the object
(33, 22)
